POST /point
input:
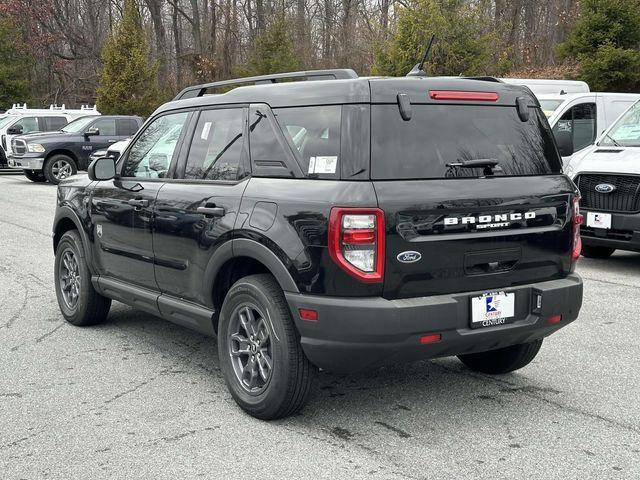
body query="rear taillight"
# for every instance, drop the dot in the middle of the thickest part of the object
(356, 242)
(577, 221)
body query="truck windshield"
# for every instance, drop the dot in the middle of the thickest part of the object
(78, 125)
(442, 141)
(5, 120)
(626, 131)
(549, 106)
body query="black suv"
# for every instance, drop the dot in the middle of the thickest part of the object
(343, 223)
(54, 156)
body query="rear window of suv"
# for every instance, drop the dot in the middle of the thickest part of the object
(439, 135)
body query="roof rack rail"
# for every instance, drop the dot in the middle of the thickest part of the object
(54, 106)
(334, 74)
(485, 79)
(17, 106)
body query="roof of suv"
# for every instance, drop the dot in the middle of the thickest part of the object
(354, 90)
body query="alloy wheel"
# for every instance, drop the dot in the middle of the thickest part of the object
(61, 169)
(70, 280)
(250, 348)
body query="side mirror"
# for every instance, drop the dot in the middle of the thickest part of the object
(15, 130)
(102, 169)
(92, 132)
(565, 143)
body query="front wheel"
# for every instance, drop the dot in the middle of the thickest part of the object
(79, 302)
(59, 167)
(592, 251)
(259, 348)
(503, 360)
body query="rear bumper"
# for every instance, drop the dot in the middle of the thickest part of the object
(624, 233)
(25, 163)
(352, 334)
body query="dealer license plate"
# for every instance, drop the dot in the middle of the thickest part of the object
(599, 220)
(490, 309)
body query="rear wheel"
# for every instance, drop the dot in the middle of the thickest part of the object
(59, 167)
(34, 176)
(592, 251)
(260, 354)
(79, 302)
(503, 360)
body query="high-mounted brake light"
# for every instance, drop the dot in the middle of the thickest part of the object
(577, 221)
(460, 95)
(356, 242)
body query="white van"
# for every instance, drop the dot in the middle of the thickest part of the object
(20, 120)
(584, 115)
(608, 176)
(540, 86)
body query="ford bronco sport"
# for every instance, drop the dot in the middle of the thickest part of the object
(343, 223)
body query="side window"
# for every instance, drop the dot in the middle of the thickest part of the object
(580, 121)
(154, 150)
(216, 148)
(51, 124)
(263, 140)
(126, 127)
(106, 126)
(28, 125)
(315, 133)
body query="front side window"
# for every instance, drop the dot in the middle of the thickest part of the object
(315, 133)
(216, 148)
(154, 150)
(580, 121)
(78, 125)
(106, 126)
(28, 125)
(626, 131)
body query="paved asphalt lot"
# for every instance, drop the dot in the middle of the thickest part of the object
(139, 397)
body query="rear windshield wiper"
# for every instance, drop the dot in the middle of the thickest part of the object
(490, 165)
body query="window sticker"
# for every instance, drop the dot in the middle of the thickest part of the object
(205, 131)
(312, 164)
(324, 164)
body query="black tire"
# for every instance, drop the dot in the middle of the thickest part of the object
(592, 251)
(503, 360)
(287, 387)
(91, 307)
(58, 167)
(34, 176)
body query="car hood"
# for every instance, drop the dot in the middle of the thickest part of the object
(46, 136)
(606, 160)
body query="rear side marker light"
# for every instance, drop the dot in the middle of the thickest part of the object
(433, 338)
(552, 320)
(460, 95)
(308, 314)
(357, 242)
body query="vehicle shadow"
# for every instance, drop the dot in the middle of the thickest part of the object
(442, 384)
(620, 263)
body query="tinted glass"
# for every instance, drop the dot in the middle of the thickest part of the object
(54, 123)
(626, 131)
(107, 126)
(550, 106)
(439, 135)
(216, 148)
(28, 124)
(315, 134)
(263, 140)
(126, 127)
(580, 121)
(152, 153)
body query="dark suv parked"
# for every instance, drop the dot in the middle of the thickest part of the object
(54, 156)
(343, 223)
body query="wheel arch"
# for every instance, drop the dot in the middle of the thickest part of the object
(63, 151)
(65, 220)
(237, 259)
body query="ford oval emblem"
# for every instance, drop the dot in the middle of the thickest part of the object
(409, 257)
(605, 188)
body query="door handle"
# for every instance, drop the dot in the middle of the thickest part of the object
(212, 211)
(138, 202)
